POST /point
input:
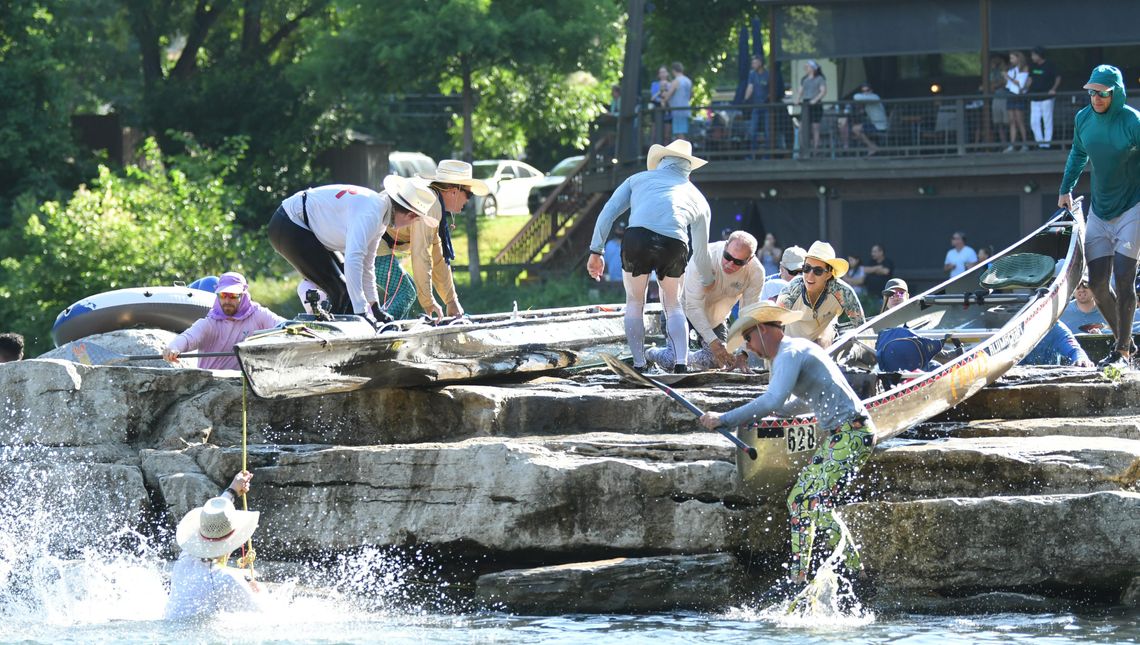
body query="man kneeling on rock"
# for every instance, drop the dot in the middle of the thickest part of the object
(803, 369)
(737, 277)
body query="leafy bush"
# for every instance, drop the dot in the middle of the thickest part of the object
(154, 224)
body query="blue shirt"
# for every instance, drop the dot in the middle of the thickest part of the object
(612, 256)
(1076, 320)
(1058, 347)
(665, 202)
(759, 83)
(802, 370)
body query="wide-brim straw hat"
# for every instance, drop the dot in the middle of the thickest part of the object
(823, 252)
(414, 195)
(756, 314)
(215, 529)
(679, 148)
(453, 171)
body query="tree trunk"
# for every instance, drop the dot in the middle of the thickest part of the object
(468, 156)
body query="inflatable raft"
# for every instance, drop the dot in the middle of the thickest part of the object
(170, 308)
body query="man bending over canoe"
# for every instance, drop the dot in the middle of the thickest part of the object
(803, 373)
(314, 227)
(737, 277)
(233, 317)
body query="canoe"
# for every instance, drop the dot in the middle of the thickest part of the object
(171, 308)
(306, 357)
(996, 328)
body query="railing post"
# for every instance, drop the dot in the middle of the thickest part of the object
(960, 106)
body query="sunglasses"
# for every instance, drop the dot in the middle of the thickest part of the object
(1102, 94)
(793, 272)
(230, 296)
(728, 258)
(464, 190)
(816, 270)
(897, 293)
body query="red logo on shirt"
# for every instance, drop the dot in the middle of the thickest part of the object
(342, 193)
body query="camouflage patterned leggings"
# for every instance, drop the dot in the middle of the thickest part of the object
(820, 483)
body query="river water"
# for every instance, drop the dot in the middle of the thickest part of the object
(100, 597)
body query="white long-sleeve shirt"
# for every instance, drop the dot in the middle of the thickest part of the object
(351, 220)
(201, 588)
(707, 309)
(666, 202)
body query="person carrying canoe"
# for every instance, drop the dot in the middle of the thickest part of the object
(429, 245)
(1107, 135)
(821, 296)
(664, 205)
(233, 317)
(803, 374)
(200, 582)
(312, 228)
(738, 278)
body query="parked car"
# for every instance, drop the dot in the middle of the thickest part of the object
(510, 182)
(409, 164)
(552, 180)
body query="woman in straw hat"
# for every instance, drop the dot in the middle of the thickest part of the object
(664, 205)
(803, 370)
(821, 296)
(200, 582)
(311, 228)
(429, 246)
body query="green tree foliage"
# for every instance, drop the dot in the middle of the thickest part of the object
(225, 68)
(152, 224)
(35, 105)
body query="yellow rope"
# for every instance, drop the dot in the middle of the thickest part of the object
(246, 561)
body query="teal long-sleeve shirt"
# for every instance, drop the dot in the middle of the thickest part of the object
(1111, 143)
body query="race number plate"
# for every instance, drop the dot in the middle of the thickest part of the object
(800, 438)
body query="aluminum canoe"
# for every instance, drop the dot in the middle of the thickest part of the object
(996, 328)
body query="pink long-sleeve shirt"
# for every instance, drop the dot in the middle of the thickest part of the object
(210, 335)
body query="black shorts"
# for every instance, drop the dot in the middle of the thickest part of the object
(643, 251)
(815, 112)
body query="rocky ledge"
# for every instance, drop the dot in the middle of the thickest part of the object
(522, 488)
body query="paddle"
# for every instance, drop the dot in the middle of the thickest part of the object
(625, 370)
(92, 354)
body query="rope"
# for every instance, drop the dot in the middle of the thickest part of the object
(247, 553)
(391, 295)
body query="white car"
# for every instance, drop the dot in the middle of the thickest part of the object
(410, 164)
(510, 182)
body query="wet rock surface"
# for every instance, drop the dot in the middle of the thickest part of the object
(566, 469)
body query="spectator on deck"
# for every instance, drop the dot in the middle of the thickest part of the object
(960, 258)
(878, 271)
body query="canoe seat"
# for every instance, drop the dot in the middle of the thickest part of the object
(1019, 270)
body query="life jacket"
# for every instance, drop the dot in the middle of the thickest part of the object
(899, 349)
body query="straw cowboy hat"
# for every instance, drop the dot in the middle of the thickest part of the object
(215, 529)
(759, 313)
(679, 148)
(823, 252)
(412, 194)
(453, 171)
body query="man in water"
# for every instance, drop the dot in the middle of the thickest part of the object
(1107, 135)
(803, 373)
(200, 583)
(233, 317)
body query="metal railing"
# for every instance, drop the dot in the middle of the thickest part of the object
(927, 126)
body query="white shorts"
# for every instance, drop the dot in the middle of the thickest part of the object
(1119, 235)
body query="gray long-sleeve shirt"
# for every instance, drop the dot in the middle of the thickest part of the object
(803, 372)
(666, 202)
